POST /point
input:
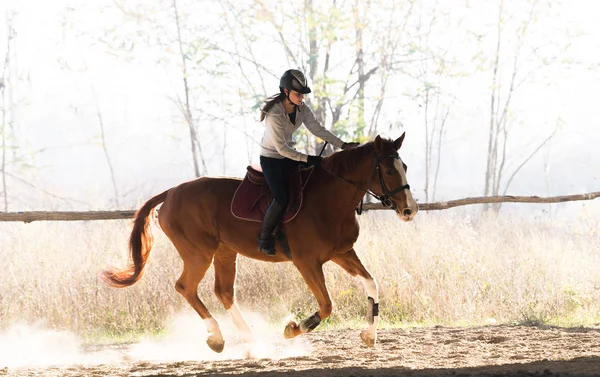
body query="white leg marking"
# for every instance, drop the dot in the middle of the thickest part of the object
(372, 291)
(371, 288)
(212, 326)
(240, 323)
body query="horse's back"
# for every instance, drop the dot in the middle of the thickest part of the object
(203, 189)
(197, 202)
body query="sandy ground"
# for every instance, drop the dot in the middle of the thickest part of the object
(438, 351)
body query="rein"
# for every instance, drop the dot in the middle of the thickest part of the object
(310, 173)
(384, 198)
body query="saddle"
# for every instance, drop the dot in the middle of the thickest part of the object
(252, 197)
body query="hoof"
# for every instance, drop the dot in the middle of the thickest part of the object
(215, 344)
(367, 340)
(291, 330)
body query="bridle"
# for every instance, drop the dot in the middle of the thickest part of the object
(387, 194)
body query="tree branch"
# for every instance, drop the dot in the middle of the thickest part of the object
(494, 199)
(28, 217)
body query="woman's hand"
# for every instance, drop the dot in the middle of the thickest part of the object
(314, 161)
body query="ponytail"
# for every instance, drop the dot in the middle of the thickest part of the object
(270, 102)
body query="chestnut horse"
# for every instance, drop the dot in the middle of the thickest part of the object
(197, 218)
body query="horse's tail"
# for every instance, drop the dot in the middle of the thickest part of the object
(140, 244)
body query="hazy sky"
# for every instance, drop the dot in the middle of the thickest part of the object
(60, 72)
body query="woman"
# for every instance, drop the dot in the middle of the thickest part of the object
(283, 114)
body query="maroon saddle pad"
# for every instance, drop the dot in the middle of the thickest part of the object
(252, 197)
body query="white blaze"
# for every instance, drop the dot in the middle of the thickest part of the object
(410, 201)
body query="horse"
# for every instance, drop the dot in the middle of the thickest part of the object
(196, 216)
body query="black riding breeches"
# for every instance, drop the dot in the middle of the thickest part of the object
(276, 171)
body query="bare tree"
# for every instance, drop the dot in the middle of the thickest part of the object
(361, 23)
(435, 116)
(166, 31)
(391, 37)
(105, 148)
(5, 83)
(501, 98)
(431, 71)
(14, 161)
(185, 104)
(388, 47)
(341, 81)
(247, 67)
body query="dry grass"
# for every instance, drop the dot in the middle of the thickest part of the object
(443, 268)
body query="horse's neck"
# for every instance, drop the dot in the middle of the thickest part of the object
(348, 187)
(362, 175)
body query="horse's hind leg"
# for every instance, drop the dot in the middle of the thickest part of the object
(225, 272)
(349, 261)
(195, 263)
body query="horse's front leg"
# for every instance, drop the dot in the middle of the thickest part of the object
(349, 261)
(312, 272)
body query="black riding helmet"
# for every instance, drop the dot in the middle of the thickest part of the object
(294, 79)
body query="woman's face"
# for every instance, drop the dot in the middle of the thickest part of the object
(296, 97)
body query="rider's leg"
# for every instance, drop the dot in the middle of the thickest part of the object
(275, 175)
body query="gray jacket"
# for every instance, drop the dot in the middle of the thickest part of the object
(277, 141)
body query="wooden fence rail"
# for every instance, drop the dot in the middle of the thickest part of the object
(28, 217)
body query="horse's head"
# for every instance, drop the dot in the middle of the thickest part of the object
(390, 182)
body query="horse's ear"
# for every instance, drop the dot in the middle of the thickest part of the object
(398, 141)
(378, 143)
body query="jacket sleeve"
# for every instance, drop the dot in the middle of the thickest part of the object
(318, 130)
(274, 124)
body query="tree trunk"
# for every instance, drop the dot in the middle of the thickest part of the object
(186, 109)
(492, 149)
(360, 62)
(105, 149)
(313, 58)
(428, 144)
(5, 83)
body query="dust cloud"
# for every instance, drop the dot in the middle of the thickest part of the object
(26, 345)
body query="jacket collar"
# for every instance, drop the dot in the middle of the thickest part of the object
(278, 108)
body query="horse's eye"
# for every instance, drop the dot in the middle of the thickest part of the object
(388, 172)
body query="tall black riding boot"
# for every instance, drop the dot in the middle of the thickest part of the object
(266, 243)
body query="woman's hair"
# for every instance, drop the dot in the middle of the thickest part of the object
(270, 102)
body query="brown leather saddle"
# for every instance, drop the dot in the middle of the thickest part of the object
(252, 197)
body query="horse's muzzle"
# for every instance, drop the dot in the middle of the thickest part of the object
(406, 214)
